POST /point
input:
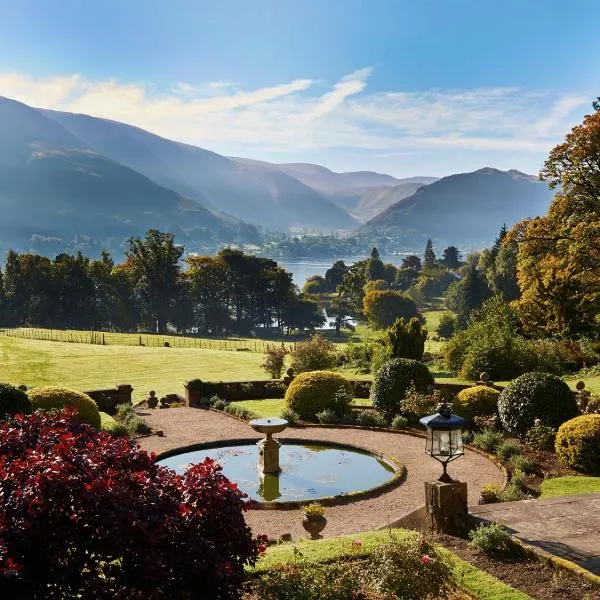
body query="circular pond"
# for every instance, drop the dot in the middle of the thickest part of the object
(308, 471)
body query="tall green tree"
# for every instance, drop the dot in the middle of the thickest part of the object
(429, 255)
(472, 291)
(335, 275)
(451, 258)
(407, 338)
(154, 264)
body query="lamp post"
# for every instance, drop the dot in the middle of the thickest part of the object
(444, 437)
(445, 499)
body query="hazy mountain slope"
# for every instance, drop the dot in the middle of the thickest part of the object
(52, 186)
(463, 209)
(250, 192)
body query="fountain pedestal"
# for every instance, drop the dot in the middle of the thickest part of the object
(268, 448)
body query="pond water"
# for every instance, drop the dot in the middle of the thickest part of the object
(308, 471)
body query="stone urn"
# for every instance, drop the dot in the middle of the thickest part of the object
(314, 525)
(152, 400)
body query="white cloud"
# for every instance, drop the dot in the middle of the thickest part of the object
(305, 117)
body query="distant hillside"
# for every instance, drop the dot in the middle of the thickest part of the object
(363, 194)
(56, 193)
(249, 191)
(465, 209)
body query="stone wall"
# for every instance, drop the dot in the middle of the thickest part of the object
(108, 399)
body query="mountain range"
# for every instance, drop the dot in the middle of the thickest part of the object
(70, 180)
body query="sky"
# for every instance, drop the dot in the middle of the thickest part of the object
(406, 87)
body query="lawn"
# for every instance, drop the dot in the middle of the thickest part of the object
(272, 406)
(478, 584)
(432, 320)
(569, 486)
(87, 366)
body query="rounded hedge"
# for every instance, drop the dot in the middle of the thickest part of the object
(393, 380)
(536, 396)
(578, 444)
(13, 401)
(314, 391)
(479, 400)
(48, 398)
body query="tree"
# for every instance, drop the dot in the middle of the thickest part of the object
(558, 261)
(451, 258)
(375, 253)
(315, 284)
(382, 308)
(303, 313)
(407, 339)
(335, 275)
(88, 515)
(446, 326)
(429, 255)
(405, 277)
(472, 291)
(154, 263)
(412, 261)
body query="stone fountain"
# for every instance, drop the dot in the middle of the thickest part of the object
(268, 448)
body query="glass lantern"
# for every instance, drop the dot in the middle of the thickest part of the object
(444, 437)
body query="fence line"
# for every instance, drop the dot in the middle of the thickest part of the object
(132, 339)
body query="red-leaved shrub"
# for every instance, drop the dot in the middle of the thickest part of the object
(83, 514)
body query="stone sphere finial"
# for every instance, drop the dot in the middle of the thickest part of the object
(485, 376)
(580, 385)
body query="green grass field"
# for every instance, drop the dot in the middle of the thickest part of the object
(569, 486)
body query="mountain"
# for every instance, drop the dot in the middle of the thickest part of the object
(57, 193)
(466, 209)
(362, 193)
(250, 191)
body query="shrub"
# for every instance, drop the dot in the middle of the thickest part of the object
(522, 463)
(399, 422)
(593, 404)
(535, 395)
(127, 417)
(488, 440)
(507, 449)
(446, 326)
(517, 480)
(66, 488)
(289, 415)
(578, 444)
(417, 404)
(481, 422)
(274, 360)
(240, 412)
(343, 401)
(315, 354)
(410, 568)
(491, 539)
(327, 417)
(394, 379)
(476, 401)
(371, 418)
(512, 493)
(13, 401)
(407, 339)
(490, 492)
(48, 398)
(118, 430)
(540, 437)
(383, 307)
(360, 355)
(313, 392)
(218, 403)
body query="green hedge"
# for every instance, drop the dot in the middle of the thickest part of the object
(48, 398)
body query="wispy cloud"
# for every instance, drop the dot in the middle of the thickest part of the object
(306, 115)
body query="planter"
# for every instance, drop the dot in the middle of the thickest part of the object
(314, 526)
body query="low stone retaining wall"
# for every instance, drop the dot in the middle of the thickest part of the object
(108, 399)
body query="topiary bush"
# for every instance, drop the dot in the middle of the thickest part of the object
(578, 444)
(48, 398)
(315, 354)
(88, 515)
(393, 380)
(315, 391)
(476, 401)
(13, 401)
(535, 396)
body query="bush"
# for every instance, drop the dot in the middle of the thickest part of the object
(327, 417)
(371, 418)
(522, 463)
(13, 401)
(343, 401)
(410, 568)
(512, 493)
(578, 444)
(289, 415)
(127, 417)
(507, 449)
(66, 487)
(407, 339)
(48, 398)
(315, 354)
(481, 422)
(240, 412)
(418, 404)
(491, 539)
(274, 360)
(490, 492)
(399, 422)
(535, 395)
(394, 379)
(313, 392)
(476, 401)
(446, 326)
(541, 437)
(488, 440)
(383, 307)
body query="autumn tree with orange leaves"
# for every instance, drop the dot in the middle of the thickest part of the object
(558, 262)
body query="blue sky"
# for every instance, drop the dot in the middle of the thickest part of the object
(408, 87)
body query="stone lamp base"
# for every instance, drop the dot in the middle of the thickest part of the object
(446, 507)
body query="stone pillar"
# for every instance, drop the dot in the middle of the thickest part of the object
(192, 394)
(446, 507)
(268, 455)
(124, 391)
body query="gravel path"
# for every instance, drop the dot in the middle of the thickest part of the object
(186, 426)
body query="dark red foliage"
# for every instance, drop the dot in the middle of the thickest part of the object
(84, 514)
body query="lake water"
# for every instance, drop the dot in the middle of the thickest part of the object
(302, 269)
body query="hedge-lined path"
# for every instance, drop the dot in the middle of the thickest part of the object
(567, 526)
(186, 426)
